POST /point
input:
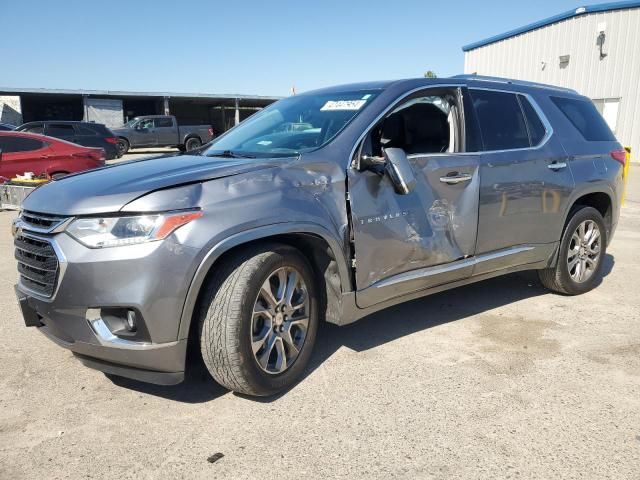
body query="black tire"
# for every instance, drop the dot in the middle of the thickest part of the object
(123, 146)
(182, 148)
(558, 278)
(192, 143)
(225, 320)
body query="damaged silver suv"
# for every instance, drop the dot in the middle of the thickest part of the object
(325, 206)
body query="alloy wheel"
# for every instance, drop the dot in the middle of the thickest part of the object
(584, 250)
(280, 320)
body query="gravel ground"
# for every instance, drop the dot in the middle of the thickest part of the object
(495, 380)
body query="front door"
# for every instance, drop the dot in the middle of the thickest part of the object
(144, 134)
(407, 243)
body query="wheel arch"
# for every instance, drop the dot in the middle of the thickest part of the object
(189, 136)
(318, 245)
(601, 198)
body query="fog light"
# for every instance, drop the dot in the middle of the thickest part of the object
(131, 320)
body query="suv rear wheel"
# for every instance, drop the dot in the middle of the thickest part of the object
(259, 320)
(580, 260)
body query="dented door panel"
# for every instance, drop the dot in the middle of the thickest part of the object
(432, 226)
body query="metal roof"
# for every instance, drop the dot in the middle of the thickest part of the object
(119, 93)
(602, 7)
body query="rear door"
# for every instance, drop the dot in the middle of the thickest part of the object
(64, 131)
(166, 131)
(525, 181)
(406, 243)
(23, 154)
(87, 137)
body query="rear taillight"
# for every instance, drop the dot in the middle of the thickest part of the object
(112, 140)
(619, 156)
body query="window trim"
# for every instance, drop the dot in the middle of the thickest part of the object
(424, 88)
(543, 118)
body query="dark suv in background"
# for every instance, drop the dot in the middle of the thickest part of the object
(87, 134)
(382, 192)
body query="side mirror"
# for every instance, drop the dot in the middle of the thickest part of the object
(399, 169)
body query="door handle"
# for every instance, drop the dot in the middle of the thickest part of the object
(454, 179)
(557, 166)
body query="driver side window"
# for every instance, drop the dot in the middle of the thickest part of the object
(146, 124)
(419, 125)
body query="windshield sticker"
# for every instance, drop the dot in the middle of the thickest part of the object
(343, 105)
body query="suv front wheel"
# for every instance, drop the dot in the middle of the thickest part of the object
(259, 319)
(581, 256)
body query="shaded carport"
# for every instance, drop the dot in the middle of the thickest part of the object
(51, 107)
(220, 111)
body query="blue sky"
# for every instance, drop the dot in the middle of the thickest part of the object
(244, 46)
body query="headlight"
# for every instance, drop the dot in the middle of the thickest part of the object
(101, 232)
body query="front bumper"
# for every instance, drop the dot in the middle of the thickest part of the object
(150, 278)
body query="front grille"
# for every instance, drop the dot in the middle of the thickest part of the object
(41, 221)
(37, 264)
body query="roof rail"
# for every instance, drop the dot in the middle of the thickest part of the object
(509, 81)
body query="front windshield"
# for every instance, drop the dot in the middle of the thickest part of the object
(131, 122)
(293, 125)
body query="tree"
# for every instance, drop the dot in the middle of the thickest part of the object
(430, 74)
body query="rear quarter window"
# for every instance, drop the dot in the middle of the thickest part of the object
(584, 116)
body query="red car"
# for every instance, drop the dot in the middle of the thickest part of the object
(29, 152)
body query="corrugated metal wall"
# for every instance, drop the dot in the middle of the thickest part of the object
(535, 56)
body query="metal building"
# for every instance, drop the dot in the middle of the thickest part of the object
(594, 50)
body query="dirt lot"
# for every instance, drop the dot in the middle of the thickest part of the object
(495, 380)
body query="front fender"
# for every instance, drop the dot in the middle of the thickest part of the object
(263, 232)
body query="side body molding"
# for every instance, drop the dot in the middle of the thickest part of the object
(259, 233)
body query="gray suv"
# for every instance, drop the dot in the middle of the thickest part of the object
(382, 193)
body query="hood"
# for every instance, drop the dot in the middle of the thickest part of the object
(110, 188)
